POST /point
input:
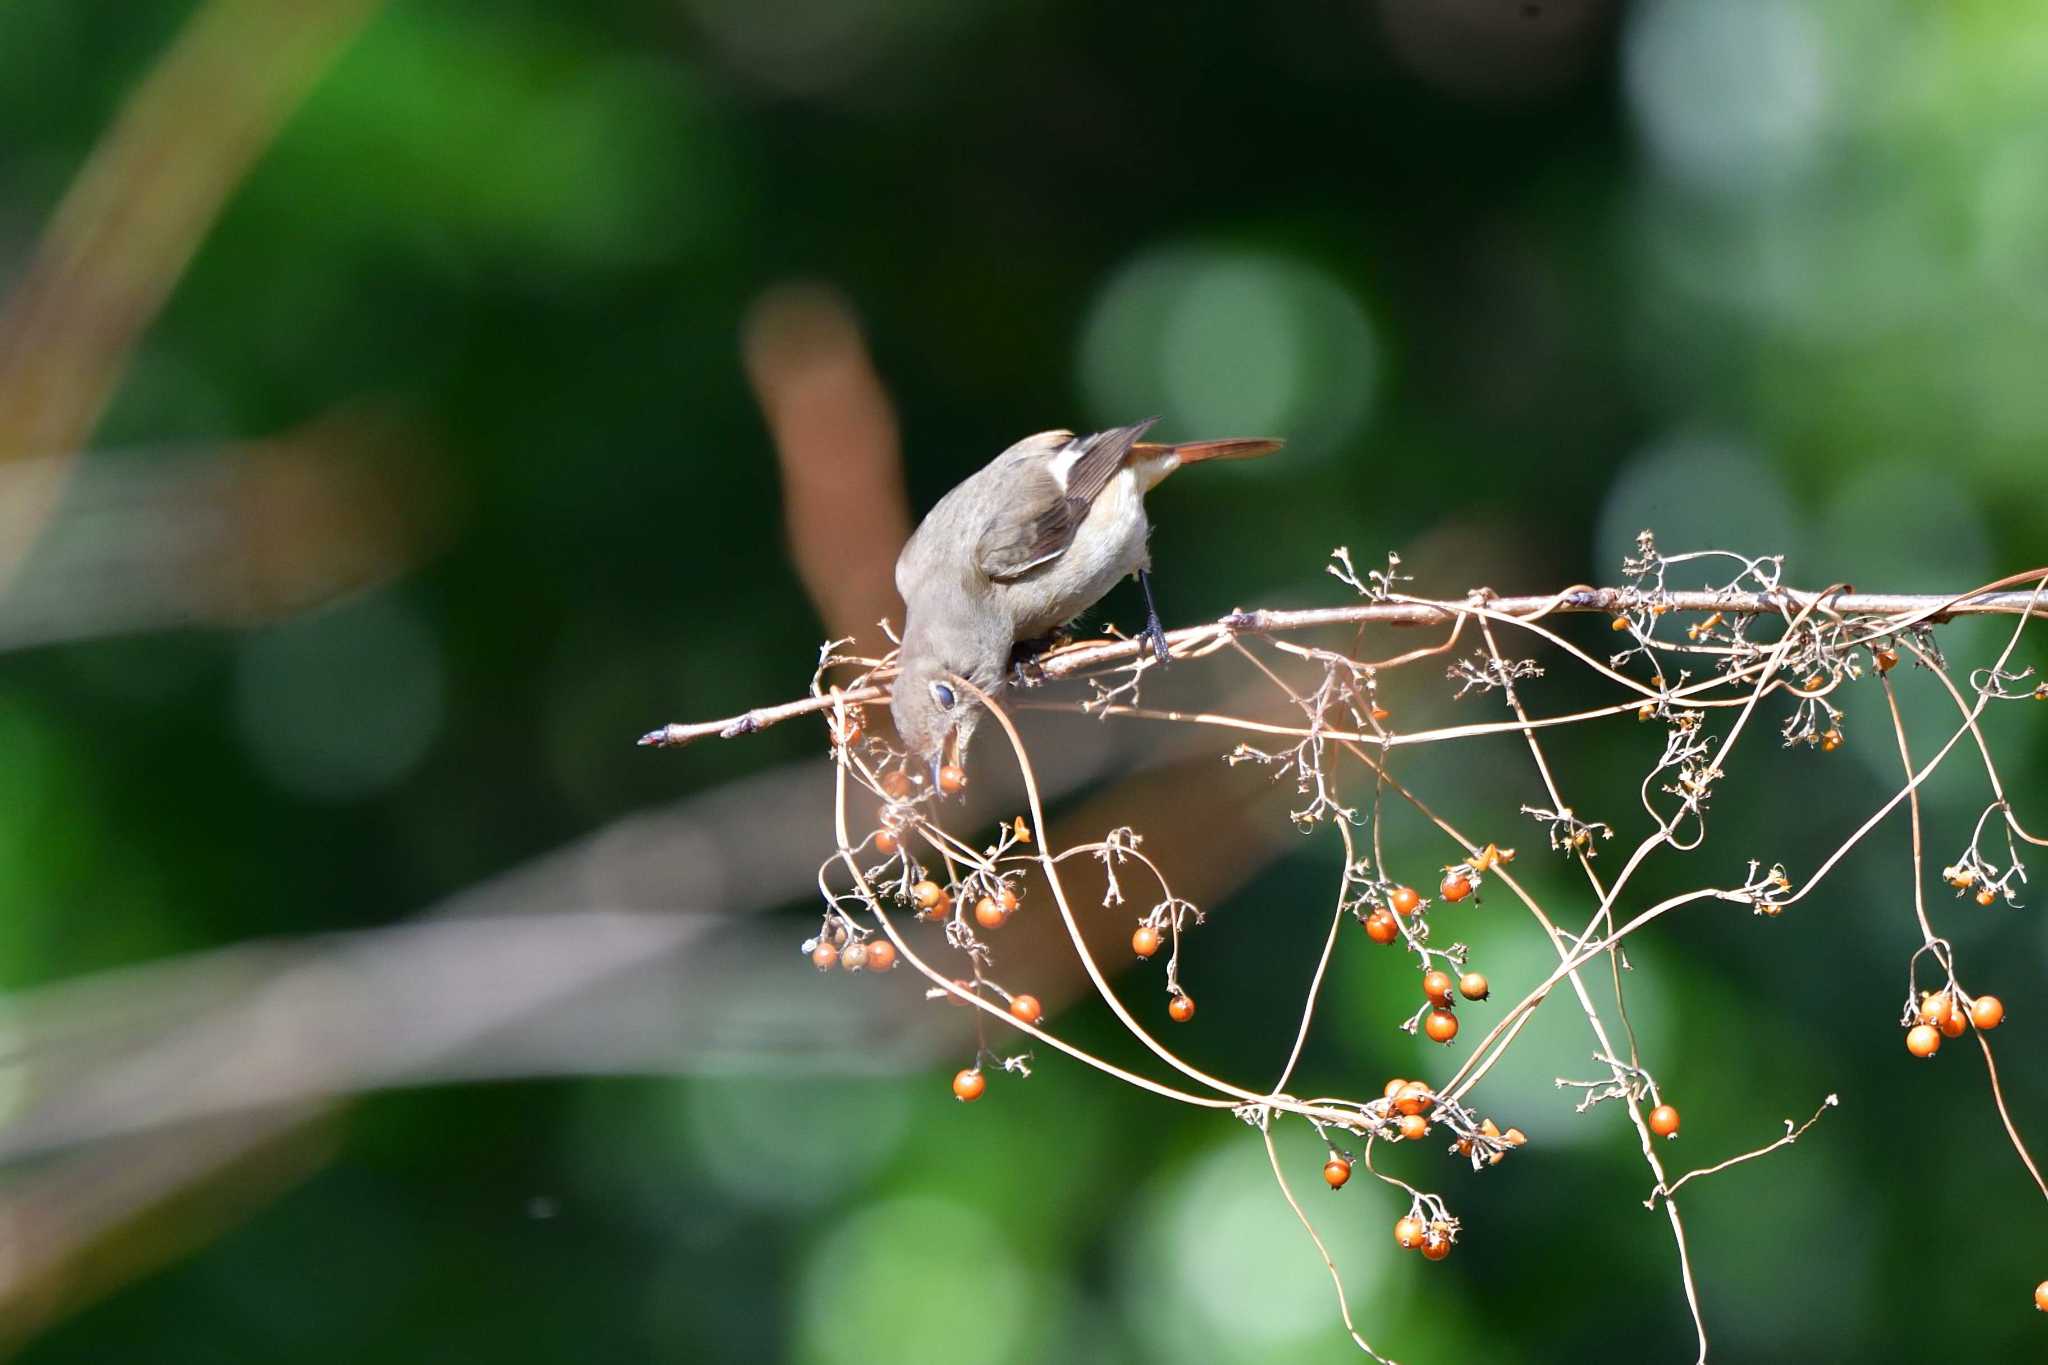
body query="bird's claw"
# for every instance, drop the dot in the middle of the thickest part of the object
(1156, 633)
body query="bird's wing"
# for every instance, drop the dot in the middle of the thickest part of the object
(1053, 495)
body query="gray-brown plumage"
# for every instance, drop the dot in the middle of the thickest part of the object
(1022, 547)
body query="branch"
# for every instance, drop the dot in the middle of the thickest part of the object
(1089, 655)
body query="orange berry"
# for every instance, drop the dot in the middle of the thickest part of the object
(1923, 1040)
(881, 955)
(989, 913)
(1955, 1024)
(1472, 986)
(1380, 713)
(1181, 1008)
(1441, 1025)
(1414, 1127)
(1381, 927)
(1664, 1121)
(854, 956)
(926, 895)
(1027, 1008)
(968, 1085)
(1618, 623)
(1008, 899)
(962, 1001)
(952, 779)
(1437, 986)
(1886, 660)
(886, 841)
(1456, 887)
(824, 957)
(1336, 1171)
(895, 784)
(1937, 1009)
(849, 734)
(1393, 1087)
(1413, 1098)
(1987, 1011)
(1409, 1232)
(1438, 1244)
(2041, 1296)
(1515, 1137)
(1404, 900)
(1145, 941)
(1986, 896)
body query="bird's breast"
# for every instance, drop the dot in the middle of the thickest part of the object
(1109, 545)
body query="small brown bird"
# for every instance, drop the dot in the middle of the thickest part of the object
(1019, 549)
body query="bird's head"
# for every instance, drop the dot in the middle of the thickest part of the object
(931, 708)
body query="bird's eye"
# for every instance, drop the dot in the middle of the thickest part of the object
(943, 695)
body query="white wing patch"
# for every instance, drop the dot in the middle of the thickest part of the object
(1061, 466)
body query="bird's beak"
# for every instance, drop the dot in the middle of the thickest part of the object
(949, 752)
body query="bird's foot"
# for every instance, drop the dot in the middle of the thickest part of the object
(1153, 631)
(1026, 654)
(1156, 633)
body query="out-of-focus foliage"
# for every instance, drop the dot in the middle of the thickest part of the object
(1516, 279)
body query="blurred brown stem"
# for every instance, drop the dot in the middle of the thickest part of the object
(133, 218)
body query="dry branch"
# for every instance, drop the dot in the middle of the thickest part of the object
(1089, 656)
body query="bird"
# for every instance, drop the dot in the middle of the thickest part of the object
(1015, 552)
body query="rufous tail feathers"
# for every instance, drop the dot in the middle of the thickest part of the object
(1191, 452)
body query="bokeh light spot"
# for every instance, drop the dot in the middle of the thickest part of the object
(1230, 342)
(1220, 1266)
(341, 704)
(914, 1279)
(1730, 95)
(1698, 492)
(758, 1133)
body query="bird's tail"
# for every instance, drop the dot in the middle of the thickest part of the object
(1230, 448)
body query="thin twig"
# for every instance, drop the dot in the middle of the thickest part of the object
(1792, 1135)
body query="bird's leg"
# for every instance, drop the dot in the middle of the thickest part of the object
(1153, 631)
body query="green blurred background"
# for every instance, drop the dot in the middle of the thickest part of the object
(438, 476)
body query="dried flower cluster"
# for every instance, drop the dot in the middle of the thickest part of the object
(1705, 665)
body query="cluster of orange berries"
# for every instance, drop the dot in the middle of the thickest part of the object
(936, 902)
(1410, 1103)
(1433, 1240)
(1963, 878)
(836, 949)
(1943, 1015)
(1146, 940)
(1382, 926)
(993, 912)
(970, 1085)
(1441, 1024)
(896, 782)
(932, 900)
